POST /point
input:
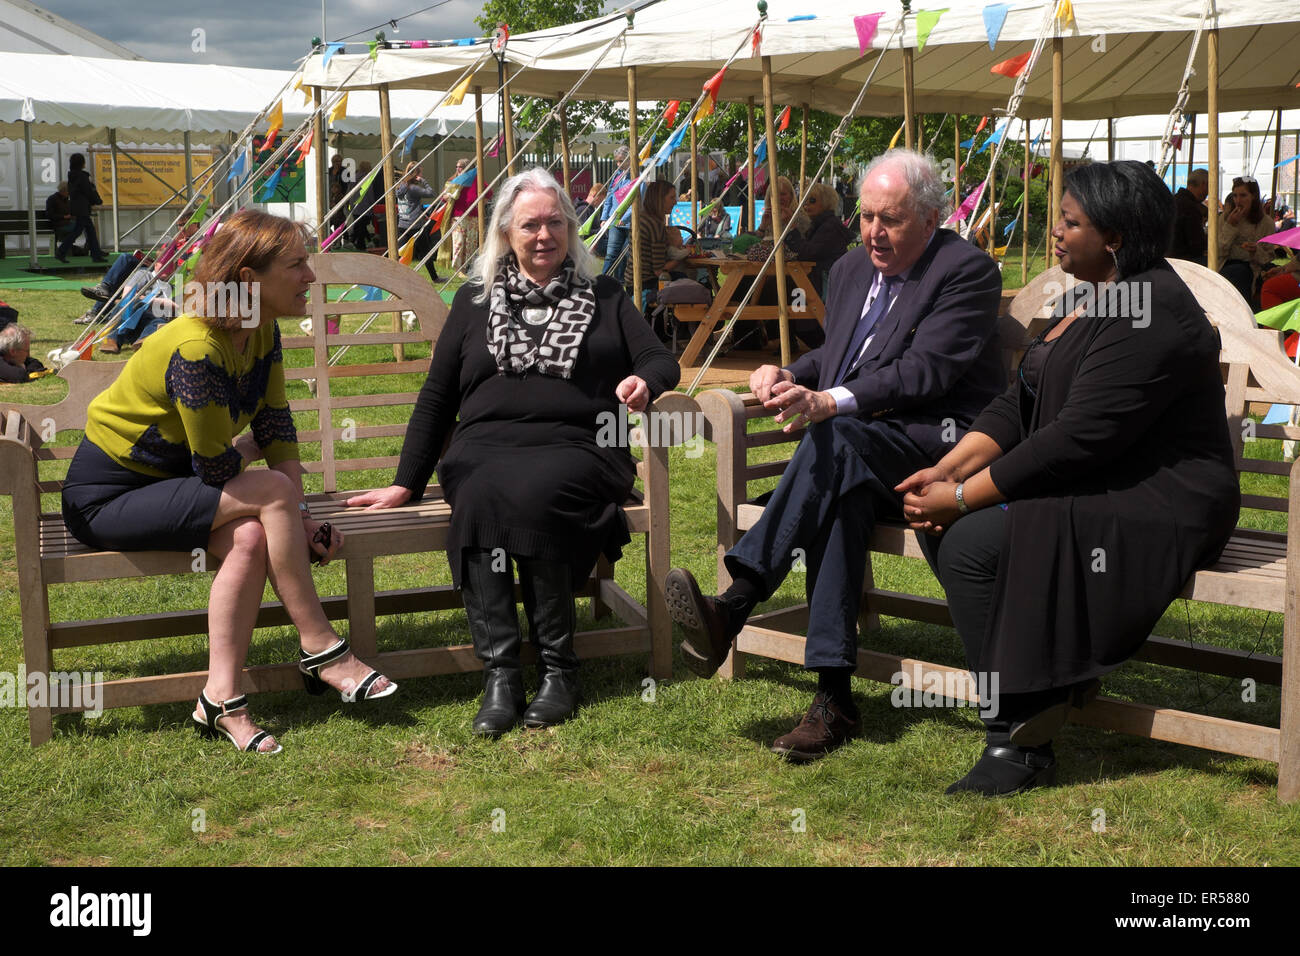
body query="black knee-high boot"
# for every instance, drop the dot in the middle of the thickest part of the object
(552, 620)
(489, 591)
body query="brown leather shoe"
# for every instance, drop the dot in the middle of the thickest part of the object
(822, 729)
(708, 635)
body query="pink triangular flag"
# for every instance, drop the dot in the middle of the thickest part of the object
(866, 27)
(967, 205)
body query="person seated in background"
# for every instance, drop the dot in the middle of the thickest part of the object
(58, 211)
(1110, 445)
(785, 197)
(1190, 214)
(657, 202)
(16, 362)
(137, 320)
(826, 239)
(412, 223)
(1242, 256)
(717, 224)
(536, 350)
(584, 208)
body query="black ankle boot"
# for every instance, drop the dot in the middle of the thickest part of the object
(503, 700)
(552, 620)
(494, 627)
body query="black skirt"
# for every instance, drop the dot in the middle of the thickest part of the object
(112, 508)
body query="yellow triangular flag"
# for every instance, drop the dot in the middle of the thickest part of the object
(275, 118)
(455, 97)
(306, 97)
(407, 253)
(705, 110)
(894, 142)
(1065, 14)
(925, 22)
(340, 109)
(999, 252)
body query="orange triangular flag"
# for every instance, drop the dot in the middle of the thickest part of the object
(670, 114)
(270, 140)
(984, 121)
(705, 110)
(714, 83)
(436, 218)
(784, 122)
(305, 148)
(407, 255)
(1012, 67)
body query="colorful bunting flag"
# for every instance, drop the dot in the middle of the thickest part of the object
(457, 95)
(866, 27)
(757, 42)
(269, 141)
(894, 142)
(306, 97)
(370, 293)
(645, 150)
(239, 167)
(1010, 228)
(408, 137)
(1065, 14)
(199, 212)
(370, 178)
(995, 14)
(272, 181)
(329, 240)
(670, 114)
(465, 178)
(495, 148)
(984, 121)
(374, 49)
(330, 50)
(1012, 67)
(784, 122)
(1288, 160)
(760, 151)
(995, 138)
(925, 22)
(407, 252)
(967, 204)
(275, 119)
(305, 148)
(1284, 317)
(711, 88)
(340, 109)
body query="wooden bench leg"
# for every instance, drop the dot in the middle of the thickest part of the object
(37, 658)
(1288, 765)
(361, 607)
(604, 572)
(733, 668)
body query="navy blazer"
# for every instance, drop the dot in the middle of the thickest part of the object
(934, 361)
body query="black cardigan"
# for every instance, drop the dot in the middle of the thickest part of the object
(1121, 483)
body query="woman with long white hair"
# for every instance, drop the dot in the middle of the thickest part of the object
(535, 355)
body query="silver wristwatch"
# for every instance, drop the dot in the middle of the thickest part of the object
(962, 507)
(304, 510)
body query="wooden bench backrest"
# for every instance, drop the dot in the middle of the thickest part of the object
(339, 443)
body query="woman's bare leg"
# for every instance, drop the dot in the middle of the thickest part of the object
(272, 498)
(232, 611)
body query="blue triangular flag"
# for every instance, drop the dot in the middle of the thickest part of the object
(370, 294)
(271, 183)
(967, 143)
(1011, 228)
(330, 50)
(131, 316)
(464, 179)
(995, 14)
(994, 139)
(670, 145)
(239, 166)
(1285, 161)
(760, 151)
(1278, 415)
(408, 138)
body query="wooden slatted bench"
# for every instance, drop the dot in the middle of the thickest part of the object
(48, 556)
(13, 222)
(1258, 570)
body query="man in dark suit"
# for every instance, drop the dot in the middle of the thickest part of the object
(1189, 240)
(910, 359)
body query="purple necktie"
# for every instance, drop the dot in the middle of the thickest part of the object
(879, 306)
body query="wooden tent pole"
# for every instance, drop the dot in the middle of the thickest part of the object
(695, 178)
(319, 149)
(909, 100)
(510, 123)
(634, 170)
(478, 161)
(564, 142)
(774, 211)
(1277, 157)
(803, 153)
(390, 200)
(1024, 211)
(1212, 117)
(749, 163)
(1058, 132)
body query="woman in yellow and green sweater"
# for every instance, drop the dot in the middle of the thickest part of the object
(162, 468)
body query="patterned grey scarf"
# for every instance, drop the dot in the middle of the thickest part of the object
(569, 304)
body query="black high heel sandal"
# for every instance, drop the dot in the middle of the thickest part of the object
(213, 712)
(310, 664)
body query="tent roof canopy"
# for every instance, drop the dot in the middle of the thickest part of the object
(1121, 58)
(81, 98)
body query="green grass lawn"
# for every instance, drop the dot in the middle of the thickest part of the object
(678, 776)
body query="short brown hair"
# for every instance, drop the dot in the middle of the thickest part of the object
(655, 200)
(250, 239)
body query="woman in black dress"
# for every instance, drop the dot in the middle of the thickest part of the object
(1083, 498)
(536, 355)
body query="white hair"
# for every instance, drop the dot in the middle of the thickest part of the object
(13, 337)
(924, 182)
(496, 244)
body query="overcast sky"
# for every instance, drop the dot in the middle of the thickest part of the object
(270, 34)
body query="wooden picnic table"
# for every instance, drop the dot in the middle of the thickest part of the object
(727, 296)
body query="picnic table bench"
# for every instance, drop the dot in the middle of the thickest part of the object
(1258, 569)
(13, 222)
(48, 556)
